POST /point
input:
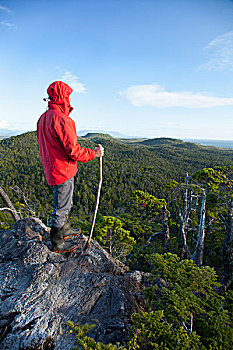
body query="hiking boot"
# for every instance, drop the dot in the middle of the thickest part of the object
(58, 243)
(68, 231)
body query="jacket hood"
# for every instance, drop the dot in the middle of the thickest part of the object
(59, 93)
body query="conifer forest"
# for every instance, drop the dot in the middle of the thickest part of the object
(166, 208)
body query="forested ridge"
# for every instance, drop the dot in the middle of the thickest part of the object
(127, 166)
(158, 197)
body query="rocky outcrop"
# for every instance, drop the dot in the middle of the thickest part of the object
(41, 290)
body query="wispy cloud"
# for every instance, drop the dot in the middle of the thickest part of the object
(8, 25)
(73, 82)
(3, 8)
(156, 96)
(219, 53)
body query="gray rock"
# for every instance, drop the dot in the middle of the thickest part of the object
(41, 290)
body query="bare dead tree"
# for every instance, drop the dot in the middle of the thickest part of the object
(153, 238)
(164, 234)
(18, 190)
(165, 229)
(197, 256)
(16, 216)
(184, 218)
(188, 330)
(227, 252)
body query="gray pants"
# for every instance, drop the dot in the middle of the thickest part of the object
(62, 202)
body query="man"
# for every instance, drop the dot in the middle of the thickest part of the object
(59, 152)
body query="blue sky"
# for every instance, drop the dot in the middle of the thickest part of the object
(152, 68)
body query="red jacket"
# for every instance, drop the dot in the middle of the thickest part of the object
(57, 137)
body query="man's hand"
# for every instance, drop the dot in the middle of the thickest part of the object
(99, 151)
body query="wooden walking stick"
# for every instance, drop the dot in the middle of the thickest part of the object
(97, 203)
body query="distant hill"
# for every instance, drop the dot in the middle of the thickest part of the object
(93, 135)
(8, 132)
(166, 142)
(162, 141)
(228, 144)
(111, 133)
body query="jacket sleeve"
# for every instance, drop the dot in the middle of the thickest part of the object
(66, 133)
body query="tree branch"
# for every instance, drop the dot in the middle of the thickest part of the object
(18, 190)
(197, 256)
(9, 205)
